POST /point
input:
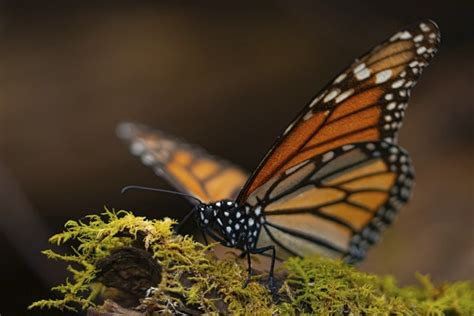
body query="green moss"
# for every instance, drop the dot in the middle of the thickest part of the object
(193, 278)
(178, 255)
(324, 286)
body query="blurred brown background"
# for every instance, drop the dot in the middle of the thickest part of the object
(228, 77)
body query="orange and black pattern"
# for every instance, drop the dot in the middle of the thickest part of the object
(188, 168)
(366, 102)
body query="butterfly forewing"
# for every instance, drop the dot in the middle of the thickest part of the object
(189, 168)
(336, 203)
(366, 102)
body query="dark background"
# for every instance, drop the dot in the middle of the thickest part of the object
(228, 77)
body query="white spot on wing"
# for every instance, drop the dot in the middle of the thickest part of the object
(363, 74)
(340, 78)
(148, 159)
(359, 68)
(331, 95)
(405, 35)
(124, 130)
(370, 146)
(383, 76)
(327, 156)
(424, 27)
(288, 129)
(308, 115)
(395, 37)
(420, 50)
(391, 106)
(344, 95)
(137, 148)
(316, 100)
(398, 83)
(418, 38)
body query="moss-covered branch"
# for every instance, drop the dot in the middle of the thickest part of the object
(143, 266)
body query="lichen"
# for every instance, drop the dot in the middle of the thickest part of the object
(192, 278)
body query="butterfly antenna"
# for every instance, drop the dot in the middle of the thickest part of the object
(178, 227)
(138, 187)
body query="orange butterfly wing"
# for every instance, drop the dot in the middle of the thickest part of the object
(188, 168)
(366, 102)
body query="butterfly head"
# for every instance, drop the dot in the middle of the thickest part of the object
(205, 214)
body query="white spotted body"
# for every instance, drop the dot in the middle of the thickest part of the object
(232, 225)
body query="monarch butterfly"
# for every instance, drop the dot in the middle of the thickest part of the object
(334, 179)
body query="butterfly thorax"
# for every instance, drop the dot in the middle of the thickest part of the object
(229, 223)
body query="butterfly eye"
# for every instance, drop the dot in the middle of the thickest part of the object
(206, 213)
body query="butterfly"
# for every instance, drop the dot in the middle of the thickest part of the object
(334, 179)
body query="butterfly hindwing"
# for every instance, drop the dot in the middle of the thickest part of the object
(188, 168)
(366, 102)
(336, 203)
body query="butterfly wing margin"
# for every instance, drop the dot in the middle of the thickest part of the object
(188, 168)
(338, 203)
(366, 102)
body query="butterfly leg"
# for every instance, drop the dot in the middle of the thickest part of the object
(204, 237)
(243, 254)
(178, 227)
(249, 262)
(271, 283)
(212, 235)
